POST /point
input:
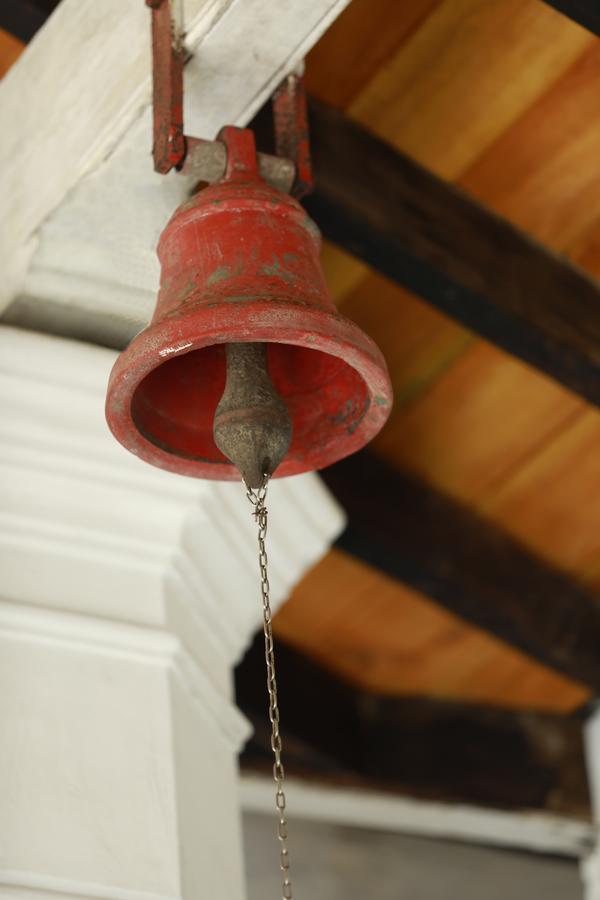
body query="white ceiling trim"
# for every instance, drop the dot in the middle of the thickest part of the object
(539, 832)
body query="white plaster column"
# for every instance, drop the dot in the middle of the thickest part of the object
(590, 866)
(126, 596)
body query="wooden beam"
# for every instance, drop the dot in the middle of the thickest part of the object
(434, 240)
(413, 533)
(22, 18)
(417, 746)
(586, 12)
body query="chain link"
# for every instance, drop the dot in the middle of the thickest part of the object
(258, 500)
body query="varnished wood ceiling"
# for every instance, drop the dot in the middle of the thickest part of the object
(387, 638)
(10, 50)
(501, 97)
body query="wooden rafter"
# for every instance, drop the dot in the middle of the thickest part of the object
(491, 757)
(22, 18)
(434, 240)
(586, 12)
(412, 532)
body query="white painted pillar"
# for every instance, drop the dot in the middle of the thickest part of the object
(590, 866)
(126, 596)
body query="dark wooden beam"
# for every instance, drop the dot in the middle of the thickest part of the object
(22, 18)
(585, 12)
(413, 533)
(442, 245)
(425, 748)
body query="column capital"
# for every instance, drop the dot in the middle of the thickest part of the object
(128, 594)
(153, 549)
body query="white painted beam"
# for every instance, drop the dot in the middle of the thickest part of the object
(81, 201)
(590, 868)
(538, 832)
(78, 88)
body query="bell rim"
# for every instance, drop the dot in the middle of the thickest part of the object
(270, 321)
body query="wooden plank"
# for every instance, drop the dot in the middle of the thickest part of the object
(384, 636)
(417, 341)
(478, 422)
(413, 533)
(464, 76)
(542, 173)
(362, 40)
(530, 153)
(552, 502)
(531, 465)
(417, 746)
(343, 273)
(586, 12)
(10, 50)
(448, 249)
(506, 440)
(586, 251)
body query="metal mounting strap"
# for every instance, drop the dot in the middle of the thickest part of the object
(290, 171)
(290, 118)
(167, 84)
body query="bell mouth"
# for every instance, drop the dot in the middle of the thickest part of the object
(164, 389)
(174, 406)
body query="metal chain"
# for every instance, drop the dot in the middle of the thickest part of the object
(258, 499)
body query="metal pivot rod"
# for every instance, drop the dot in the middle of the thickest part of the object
(207, 161)
(289, 171)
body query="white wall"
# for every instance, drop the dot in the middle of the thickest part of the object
(332, 862)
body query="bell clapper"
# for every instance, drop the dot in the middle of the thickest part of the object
(252, 425)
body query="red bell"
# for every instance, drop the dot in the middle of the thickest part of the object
(240, 263)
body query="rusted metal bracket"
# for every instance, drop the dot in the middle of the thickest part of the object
(289, 171)
(167, 88)
(292, 141)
